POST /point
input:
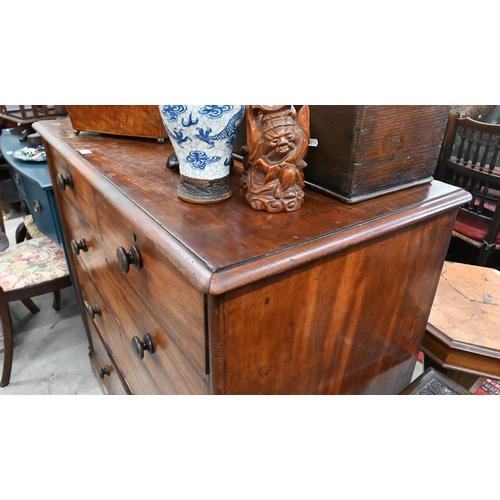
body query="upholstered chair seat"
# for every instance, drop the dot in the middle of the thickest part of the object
(27, 269)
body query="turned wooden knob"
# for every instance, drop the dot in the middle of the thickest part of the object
(93, 311)
(78, 246)
(140, 346)
(62, 181)
(103, 371)
(126, 258)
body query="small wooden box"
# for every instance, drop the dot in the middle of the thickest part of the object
(367, 151)
(128, 120)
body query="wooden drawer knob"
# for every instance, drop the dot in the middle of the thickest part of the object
(139, 347)
(103, 371)
(62, 181)
(93, 311)
(78, 246)
(126, 258)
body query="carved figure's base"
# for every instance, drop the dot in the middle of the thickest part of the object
(203, 191)
(289, 202)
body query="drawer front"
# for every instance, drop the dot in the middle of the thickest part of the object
(79, 192)
(104, 370)
(135, 375)
(19, 182)
(40, 208)
(178, 307)
(83, 242)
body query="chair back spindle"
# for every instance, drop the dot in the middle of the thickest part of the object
(474, 168)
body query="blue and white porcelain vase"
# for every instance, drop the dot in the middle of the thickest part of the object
(203, 137)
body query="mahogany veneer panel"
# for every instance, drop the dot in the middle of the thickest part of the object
(349, 324)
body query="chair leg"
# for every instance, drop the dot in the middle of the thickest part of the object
(8, 341)
(56, 304)
(31, 305)
(21, 233)
(485, 254)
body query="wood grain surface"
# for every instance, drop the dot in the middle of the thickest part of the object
(365, 151)
(467, 304)
(461, 337)
(127, 120)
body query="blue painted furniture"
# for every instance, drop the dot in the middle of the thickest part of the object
(34, 185)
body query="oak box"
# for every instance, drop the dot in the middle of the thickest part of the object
(367, 151)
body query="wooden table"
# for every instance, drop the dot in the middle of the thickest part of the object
(462, 336)
(34, 184)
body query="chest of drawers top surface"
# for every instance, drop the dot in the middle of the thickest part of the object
(227, 238)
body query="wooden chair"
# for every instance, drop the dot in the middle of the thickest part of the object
(469, 160)
(29, 114)
(28, 269)
(25, 116)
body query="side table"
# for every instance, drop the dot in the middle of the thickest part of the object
(461, 339)
(34, 185)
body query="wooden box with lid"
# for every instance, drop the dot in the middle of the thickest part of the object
(180, 298)
(368, 151)
(127, 120)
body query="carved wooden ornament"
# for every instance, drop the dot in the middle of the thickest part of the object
(277, 141)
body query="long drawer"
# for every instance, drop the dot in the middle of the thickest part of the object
(104, 369)
(179, 308)
(101, 316)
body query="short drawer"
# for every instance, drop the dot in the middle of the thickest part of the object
(73, 186)
(84, 244)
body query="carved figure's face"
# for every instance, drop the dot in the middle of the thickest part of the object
(280, 140)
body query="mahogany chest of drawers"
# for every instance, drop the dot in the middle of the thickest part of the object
(221, 299)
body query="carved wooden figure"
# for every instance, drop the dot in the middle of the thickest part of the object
(277, 141)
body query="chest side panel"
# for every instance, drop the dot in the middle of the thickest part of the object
(350, 323)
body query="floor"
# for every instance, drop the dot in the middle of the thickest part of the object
(50, 347)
